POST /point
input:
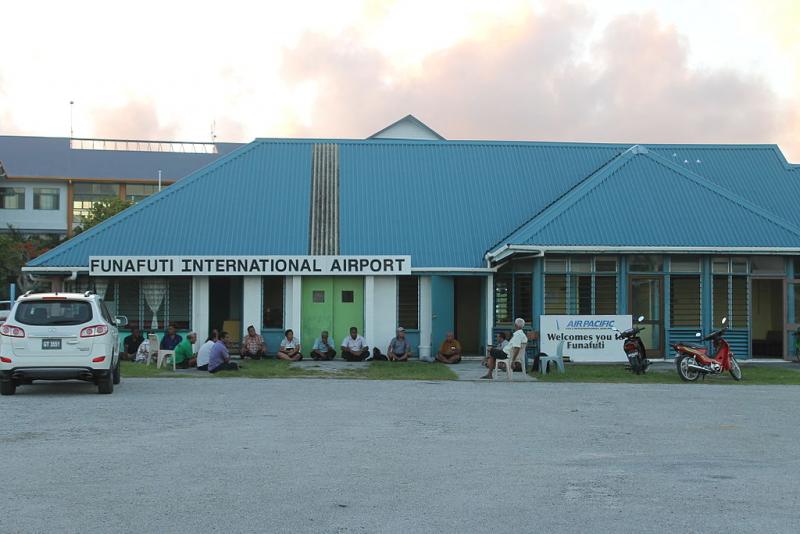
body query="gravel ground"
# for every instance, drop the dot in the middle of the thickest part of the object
(239, 455)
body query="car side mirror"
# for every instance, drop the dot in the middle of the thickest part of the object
(697, 334)
(641, 318)
(121, 320)
(724, 320)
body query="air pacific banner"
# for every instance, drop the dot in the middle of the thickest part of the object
(584, 338)
(248, 265)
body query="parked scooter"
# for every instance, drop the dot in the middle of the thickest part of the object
(693, 361)
(634, 348)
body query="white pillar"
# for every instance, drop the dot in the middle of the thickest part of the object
(369, 310)
(200, 305)
(380, 310)
(292, 304)
(425, 316)
(251, 303)
(489, 310)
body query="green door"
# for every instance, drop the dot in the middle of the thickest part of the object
(333, 303)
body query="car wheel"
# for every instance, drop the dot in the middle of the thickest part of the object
(117, 374)
(7, 387)
(105, 385)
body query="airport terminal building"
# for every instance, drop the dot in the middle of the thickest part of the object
(438, 235)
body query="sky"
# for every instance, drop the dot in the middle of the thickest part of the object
(644, 71)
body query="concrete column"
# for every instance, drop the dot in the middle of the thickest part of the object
(369, 310)
(251, 303)
(489, 309)
(425, 316)
(200, 304)
(293, 302)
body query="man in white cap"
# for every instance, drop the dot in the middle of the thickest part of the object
(184, 352)
(399, 347)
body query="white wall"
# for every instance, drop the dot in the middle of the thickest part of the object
(251, 303)
(200, 304)
(425, 316)
(406, 130)
(293, 297)
(380, 310)
(31, 219)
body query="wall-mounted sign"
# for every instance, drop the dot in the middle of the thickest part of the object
(248, 265)
(584, 338)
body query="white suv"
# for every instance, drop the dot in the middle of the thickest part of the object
(59, 336)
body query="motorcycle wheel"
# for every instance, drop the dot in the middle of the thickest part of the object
(735, 370)
(686, 374)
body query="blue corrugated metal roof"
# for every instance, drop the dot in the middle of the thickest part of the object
(52, 157)
(254, 201)
(644, 199)
(446, 202)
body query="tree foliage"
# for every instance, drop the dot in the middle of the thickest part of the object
(102, 210)
(16, 250)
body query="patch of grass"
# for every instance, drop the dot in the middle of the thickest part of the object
(139, 370)
(271, 369)
(402, 371)
(661, 374)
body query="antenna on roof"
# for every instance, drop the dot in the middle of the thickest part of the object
(213, 131)
(159, 180)
(71, 132)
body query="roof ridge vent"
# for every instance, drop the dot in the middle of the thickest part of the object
(638, 149)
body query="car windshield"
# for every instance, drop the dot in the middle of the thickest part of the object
(53, 312)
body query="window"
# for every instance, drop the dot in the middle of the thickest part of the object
(318, 297)
(584, 289)
(139, 192)
(179, 308)
(555, 294)
(523, 297)
(273, 289)
(347, 296)
(513, 292)
(12, 198)
(502, 297)
(46, 198)
(646, 263)
(685, 301)
(84, 195)
(605, 295)
(684, 264)
(54, 312)
(408, 302)
(767, 265)
(729, 300)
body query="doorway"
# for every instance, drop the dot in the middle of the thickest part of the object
(467, 301)
(225, 305)
(332, 303)
(646, 297)
(767, 325)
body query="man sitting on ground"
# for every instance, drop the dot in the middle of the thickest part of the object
(450, 350)
(170, 339)
(131, 344)
(253, 345)
(219, 359)
(184, 352)
(204, 353)
(399, 347)
(354, 347)
(511, 352)
(290, 348)
(323, 350)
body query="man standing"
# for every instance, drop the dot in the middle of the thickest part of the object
(131, 344)
(170, 339)
(219, 359)
(399, 347)
(354, 347)
(184, 352)
(511, 351)
(253, 345)
(323, 350)
(450, 350)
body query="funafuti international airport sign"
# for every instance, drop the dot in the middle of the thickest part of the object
(249, 265)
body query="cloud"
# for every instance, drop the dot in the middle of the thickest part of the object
(540, 79)
(136, 119)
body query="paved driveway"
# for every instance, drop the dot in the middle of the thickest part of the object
(238, 455)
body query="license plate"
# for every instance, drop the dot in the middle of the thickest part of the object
(51, 344)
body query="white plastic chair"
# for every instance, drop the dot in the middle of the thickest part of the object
(152, 348)
(166, 356)
(510, 362)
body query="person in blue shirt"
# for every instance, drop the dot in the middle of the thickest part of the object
(323, 350)
(170, 339)
(219, 359)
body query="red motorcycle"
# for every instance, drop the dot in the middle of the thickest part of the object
(692, 361)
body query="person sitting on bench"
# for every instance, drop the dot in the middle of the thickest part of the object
(450, 350)
(354, 347)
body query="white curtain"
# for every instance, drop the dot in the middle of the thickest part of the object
(154, 290)
(100, 287)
